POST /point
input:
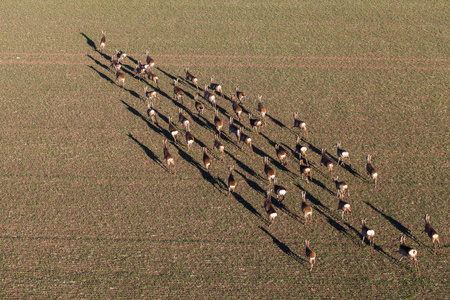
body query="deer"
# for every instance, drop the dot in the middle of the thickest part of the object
(190, 77)
(342, 154)
(215, 87)
(434, 236)
(182, 119)
(115, 64)
(140, 70)
(120, 55)
(102, 42)
(255, 123)
(173, 130)
(200, 107)
(262, 109)
(240, 95)
(231, 181)
(120, 78)
(152, 77)
(150, 61)
(206, 159)
(306, 209)
(151, 113)
(310, 255)
(367, 233)
(234, 129)
(244, 138)
(327, 162)
(408, 252)
(270, 173)
(189, 137)
(167, 156)
(236, 108)
(209, 96)
(306, 171)
(270, 210)
(301, 125)
(177, 92)
(217, 121)
(341, 186)
(281, 154)
(279, 190)
(150, 94)
(344, 207)
(219, 146)
(371, 170)
(301, 150)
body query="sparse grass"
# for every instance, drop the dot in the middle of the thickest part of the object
(89, 210)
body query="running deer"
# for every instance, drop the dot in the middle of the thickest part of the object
(191, 78)
(310, 255)
(408, 252)
(199, 106)
(140, 70)
(215, 87)
(327, 162)
(432, 233)
(168, 157)
(150, 94)
(281, 154)
(270, 210)
(371, 170)
(236, 107)
(270, 173)
(306, 171)
(206, 159)
(182, 119)
(152, 77)
(234, 129)
(306, 209)
(209, 96)
(279, 190)
(189, 137)
(255, 123)
(341, 186)
(301, 150)
(262, 109)
(102, 42)
(150, 61)
(344, 207)
(151, 113)
(231, 181)
(342, 154)
(301, 125)
(219, 146)
(367, 233)
(240, 95)
(173, 130)
(245, 139)
(177, 92)
(217, 121)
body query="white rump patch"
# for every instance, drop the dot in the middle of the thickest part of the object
(347, 205)
(435, 236)
(371, 232)
(283, 192)
(412, 252)
(273, 215)
(303, 149)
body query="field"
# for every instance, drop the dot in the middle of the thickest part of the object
(89, 209)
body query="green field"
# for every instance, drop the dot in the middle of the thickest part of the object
(89, 210)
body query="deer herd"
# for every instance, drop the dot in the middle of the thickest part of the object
(215, 89)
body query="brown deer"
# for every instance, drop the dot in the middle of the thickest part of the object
(191, 78)
(306, 209)
(434, 236)
(102, 42)
(408, 252)
(301, 125)
(310, 255)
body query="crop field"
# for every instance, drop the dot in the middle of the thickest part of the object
(90, 210)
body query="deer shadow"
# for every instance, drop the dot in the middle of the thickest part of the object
(391, 220)
(275, 121)
(248, 206)
(245, 168)
(89, 41)
(99, 63)
(167, 74)
(252, 183)
(312, 199)
(283, 247)
(147, 151)
(102, 75)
